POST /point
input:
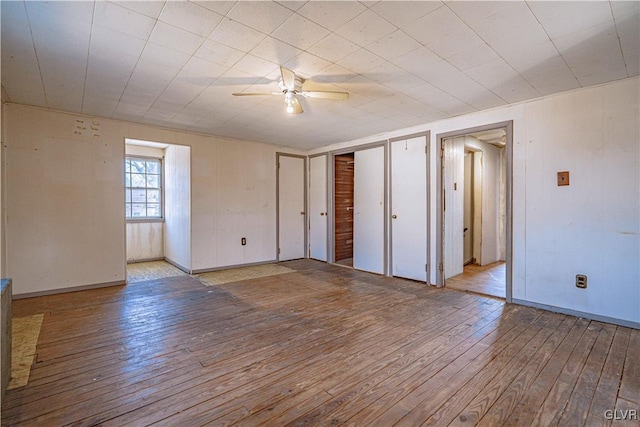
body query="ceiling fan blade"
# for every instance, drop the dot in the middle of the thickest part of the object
(288, 78)
(256, 93)
(338, 96)
(297, 107)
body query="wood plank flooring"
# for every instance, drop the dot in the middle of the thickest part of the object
(323, 345)
(487, 280)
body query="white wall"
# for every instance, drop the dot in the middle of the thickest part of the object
(591, 226)
(177, 205)
(66, 224)
(144, 151)
(145, 241)
(233, 196)
(65, 198)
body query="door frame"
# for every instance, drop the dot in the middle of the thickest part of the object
(304, 196)
(427, 135)
(473, 152)
(328, 196)
(508, 125)
(331, 180)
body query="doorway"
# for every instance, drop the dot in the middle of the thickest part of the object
(158, 204)
(475, 212)
(344, 170)
(358, 203)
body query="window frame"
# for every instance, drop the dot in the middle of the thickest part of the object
(160, 160)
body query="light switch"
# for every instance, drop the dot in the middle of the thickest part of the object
(563, 178)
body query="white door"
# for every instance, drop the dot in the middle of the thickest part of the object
(409, 208)
(368, 219)
(318, 207)
(453, 184)
(291, 214)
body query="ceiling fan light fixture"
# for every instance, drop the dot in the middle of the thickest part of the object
(289, 100)
(291, 85)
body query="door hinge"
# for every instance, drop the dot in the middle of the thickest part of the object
(441, 267)
(278, 251)
(426, 151)
(426, 267)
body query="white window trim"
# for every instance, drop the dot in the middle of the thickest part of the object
(151, 218)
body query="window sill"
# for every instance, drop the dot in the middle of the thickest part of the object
(138, 220)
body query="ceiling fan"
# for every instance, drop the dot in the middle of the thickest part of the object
(291, 86)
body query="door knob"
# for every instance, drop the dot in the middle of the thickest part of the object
(394, 216)
(301, 213)
(321, 213)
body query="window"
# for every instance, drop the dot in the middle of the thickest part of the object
(143, 188)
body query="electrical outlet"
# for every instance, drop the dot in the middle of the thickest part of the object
(243, 241)
(581, 281)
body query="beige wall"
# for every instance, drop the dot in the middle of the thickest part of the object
(65, 198)
(591, 227)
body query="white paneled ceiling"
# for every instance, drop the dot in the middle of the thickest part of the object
(176, 63)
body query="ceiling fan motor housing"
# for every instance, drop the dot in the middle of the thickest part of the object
(296, 87)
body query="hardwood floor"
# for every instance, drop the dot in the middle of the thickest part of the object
(488, 280)
(323, 345)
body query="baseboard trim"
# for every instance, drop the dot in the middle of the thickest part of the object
(70, 289)
(175, 264)
(133, 261)
(605, 319)
(227, 267)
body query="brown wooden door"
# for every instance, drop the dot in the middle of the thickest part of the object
(344, 173)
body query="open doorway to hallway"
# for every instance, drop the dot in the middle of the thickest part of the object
(474, 201)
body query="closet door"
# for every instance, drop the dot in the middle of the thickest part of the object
(409, 208)
(318, 207)
(368, 227)
(291, 213)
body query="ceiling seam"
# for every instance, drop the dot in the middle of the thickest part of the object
(615, 26)
(554, 45)
(86, 67)
(415, 75)
(146, 42)
(500, 56)
(204, 39)
(294, 12)
(35, 52)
